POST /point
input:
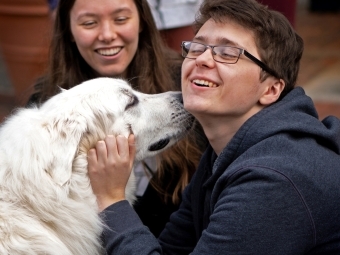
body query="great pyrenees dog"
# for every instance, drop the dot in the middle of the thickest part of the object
(46, 202)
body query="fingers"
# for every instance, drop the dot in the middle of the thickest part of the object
(92, 159)
(111, 152)
(98, 157)
(102, 148)
(109, 168)
(122, 146)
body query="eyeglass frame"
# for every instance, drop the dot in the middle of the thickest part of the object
(241, 51)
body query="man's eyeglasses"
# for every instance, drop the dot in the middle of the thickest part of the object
(221, 54)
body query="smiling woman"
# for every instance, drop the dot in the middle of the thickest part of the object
(91, 40)
(120, 39)
(106, 35)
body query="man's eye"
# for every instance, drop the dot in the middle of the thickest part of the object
(195, 51)
(228, 54)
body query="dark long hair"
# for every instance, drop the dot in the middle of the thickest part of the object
(154, 69)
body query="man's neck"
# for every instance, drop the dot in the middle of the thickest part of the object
(219, 132)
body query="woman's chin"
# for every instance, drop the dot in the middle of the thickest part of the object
(114, 73)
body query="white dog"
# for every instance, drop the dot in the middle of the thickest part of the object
(46, 201)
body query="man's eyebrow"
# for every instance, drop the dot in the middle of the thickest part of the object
(220, 41)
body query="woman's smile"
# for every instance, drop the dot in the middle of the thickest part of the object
(109, 52)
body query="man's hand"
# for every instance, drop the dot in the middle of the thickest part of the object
(109, 167)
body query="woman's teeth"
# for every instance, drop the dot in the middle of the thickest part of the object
(109, 52)
(203, 83)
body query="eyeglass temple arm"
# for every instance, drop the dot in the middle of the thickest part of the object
(260, 63)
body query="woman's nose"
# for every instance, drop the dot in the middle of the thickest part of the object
(206, 58)
(107, 32)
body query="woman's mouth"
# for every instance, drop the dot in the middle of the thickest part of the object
(109, 52)
(203, 83)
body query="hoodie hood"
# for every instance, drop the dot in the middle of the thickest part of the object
(294, 115)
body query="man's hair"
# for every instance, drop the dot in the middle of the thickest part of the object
(279, 46)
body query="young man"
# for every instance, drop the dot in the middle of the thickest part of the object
(269, 183)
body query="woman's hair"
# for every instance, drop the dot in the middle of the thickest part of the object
(153, 69)
(279, 46)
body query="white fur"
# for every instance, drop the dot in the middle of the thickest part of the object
(46, 201)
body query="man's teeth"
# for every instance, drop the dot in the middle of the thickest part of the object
(109, 52)
(205, 83)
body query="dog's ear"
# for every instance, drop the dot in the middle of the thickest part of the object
(63, 154)
(41, 144)
(65, 137)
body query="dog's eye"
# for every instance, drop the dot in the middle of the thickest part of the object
(132, 102)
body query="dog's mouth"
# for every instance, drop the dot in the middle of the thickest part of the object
(159, 145)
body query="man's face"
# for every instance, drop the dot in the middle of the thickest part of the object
(234, 89)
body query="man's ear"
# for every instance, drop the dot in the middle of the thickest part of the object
(272, 92)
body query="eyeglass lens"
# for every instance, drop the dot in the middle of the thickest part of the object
(224, 54)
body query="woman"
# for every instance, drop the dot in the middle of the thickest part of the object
(119, 39)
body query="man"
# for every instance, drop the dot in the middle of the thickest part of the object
(269, 183)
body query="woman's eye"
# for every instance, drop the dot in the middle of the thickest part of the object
(88, 23)
(121, 19)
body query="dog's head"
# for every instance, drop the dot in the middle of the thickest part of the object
(74, 120)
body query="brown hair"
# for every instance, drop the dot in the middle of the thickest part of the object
(152, 70)
(280, 47)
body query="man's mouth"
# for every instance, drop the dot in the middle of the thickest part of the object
(110, 52)
(203, 83)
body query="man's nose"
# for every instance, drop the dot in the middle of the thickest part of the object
(206, 58)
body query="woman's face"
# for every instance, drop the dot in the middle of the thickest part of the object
(106, 33)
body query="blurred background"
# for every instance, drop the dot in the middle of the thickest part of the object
(316, 21)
